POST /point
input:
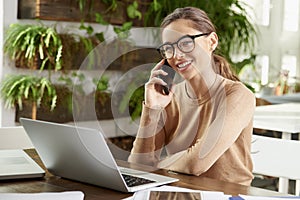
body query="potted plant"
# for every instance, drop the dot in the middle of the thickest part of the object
(33, 46)
(39, 47)
(15, 89)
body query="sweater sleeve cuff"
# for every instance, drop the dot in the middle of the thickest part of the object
(150, 115)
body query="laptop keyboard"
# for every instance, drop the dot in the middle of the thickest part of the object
(135, 181)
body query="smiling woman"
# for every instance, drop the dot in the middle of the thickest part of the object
(205, 122)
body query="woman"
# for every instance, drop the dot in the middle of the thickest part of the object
(205, 122)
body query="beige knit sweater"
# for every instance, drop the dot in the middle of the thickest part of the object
(209, 137)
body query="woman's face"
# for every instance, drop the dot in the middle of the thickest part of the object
(196, 61)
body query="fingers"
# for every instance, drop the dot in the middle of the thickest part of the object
(156, 69)
(158, 72)
(153, 81)
(158, 65)
(155, 72)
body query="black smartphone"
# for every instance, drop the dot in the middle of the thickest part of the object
(168, 78)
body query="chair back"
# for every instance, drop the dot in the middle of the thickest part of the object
(276, 157)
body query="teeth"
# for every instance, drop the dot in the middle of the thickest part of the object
(184, 64)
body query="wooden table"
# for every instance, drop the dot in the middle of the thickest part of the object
(52, 183)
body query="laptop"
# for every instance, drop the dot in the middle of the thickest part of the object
(16, 164)
(82, 154)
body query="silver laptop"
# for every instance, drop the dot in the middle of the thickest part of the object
(16, 164)
(82, 154)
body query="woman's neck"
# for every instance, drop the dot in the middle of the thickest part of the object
(199, 85)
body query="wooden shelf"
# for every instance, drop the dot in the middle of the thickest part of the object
(68, 10)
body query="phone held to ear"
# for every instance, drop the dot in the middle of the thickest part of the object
(168, 78)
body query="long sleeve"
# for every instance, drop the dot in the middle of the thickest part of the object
(150, 138)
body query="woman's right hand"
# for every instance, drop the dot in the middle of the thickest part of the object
(154, 96)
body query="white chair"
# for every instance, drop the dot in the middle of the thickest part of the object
(277, 158)
(14, 138)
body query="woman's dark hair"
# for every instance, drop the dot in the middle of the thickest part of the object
(200, 21)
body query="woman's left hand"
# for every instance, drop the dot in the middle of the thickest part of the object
(154, 97)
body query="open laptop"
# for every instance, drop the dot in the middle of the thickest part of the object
(82, 154)
(16, 164)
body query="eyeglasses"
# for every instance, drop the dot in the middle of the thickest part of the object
(185, 44)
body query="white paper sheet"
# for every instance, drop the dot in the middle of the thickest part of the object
(72, 195)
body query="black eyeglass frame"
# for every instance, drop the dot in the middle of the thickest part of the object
(172, 44)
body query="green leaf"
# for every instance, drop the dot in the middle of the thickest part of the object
(99, 19)
(133, 12)
(156, 5)
(41, 52)
(123, 31)
(100, 36)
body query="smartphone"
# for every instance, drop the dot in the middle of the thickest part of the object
(168, 78)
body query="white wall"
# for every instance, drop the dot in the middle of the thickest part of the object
(8, 10)
(1, 51)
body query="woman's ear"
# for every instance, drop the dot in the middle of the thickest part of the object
(213, 41)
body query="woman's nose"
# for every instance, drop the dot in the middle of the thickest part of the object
(178, 53)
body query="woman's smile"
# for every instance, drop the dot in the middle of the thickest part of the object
(182, 66)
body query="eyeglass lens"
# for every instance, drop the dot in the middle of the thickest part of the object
(185, 44)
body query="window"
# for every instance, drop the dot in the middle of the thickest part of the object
(291, 15)
(289, 62)
(260, 11)
(262, 64)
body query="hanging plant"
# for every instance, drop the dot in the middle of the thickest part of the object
(16, 88)
(33, 46)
